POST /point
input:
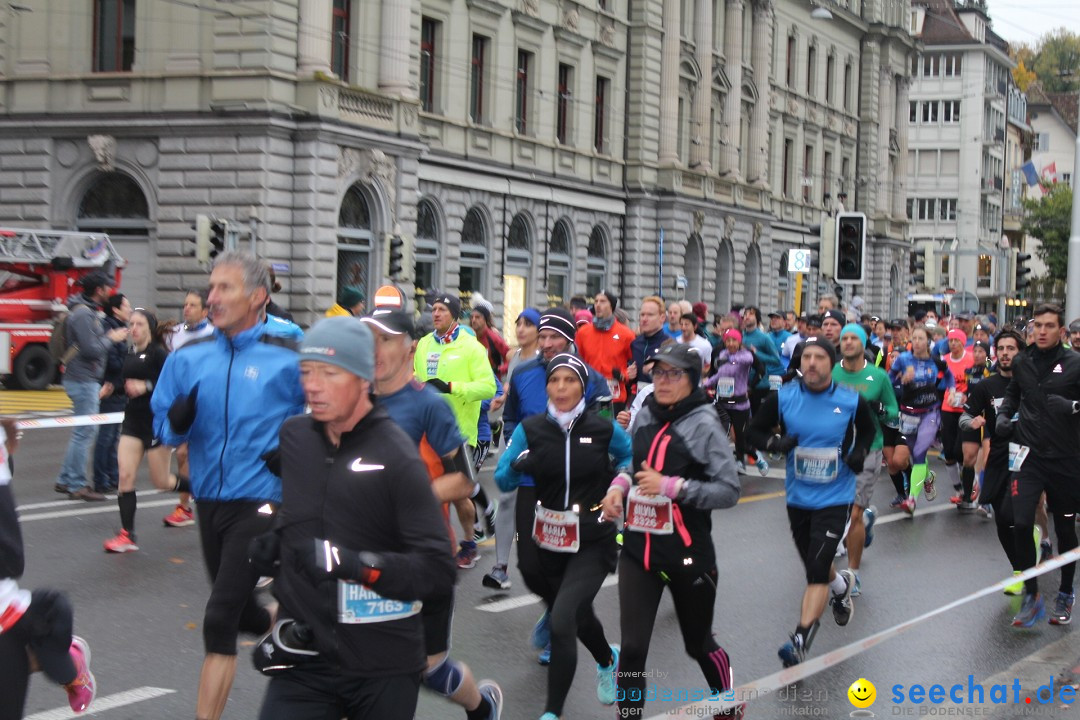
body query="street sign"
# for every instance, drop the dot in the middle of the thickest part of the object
(799, 261)
(280, 268)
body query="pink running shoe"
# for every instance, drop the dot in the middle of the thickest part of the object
(82, 690)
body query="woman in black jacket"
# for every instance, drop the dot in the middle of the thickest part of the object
(106, 470)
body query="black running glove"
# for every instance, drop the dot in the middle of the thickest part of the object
(1060, 405)
(272, 458)
(1003, 426)
(182, 412)
(440, 385)
(264, 553)
(855, 460)
(327, 559)
(782, 443)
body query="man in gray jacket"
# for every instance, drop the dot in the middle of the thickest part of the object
(82, 378)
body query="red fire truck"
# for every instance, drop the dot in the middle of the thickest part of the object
(39, 270)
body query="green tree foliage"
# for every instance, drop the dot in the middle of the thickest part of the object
(1049, 220)
(1057, 61)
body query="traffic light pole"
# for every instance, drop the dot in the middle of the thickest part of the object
(1072, 277)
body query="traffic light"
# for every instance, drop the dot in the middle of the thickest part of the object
(219, 229)
(1021, 271)
(202, 239)
(397, 255)
(850, 247)
(925, 271)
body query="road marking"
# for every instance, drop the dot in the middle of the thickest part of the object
(109, 702)
(763, 496)
(897, 517)
(69, 503)
(530, 599)
(108, 507)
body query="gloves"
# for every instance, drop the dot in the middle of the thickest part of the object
(272, 458)
(855, 460)
(878, 408)
(440, 385)
(1060, 405)
(182, 412)
(782, 443)
(264, 553)
(521, 463)
(329, 560)
(1003, 426)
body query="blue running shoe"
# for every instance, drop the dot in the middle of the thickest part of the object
(1031, 611)
(857, 590)
(1062, 612)
(792, 652)
(541, 634)
(549, 716)
(491, 692)
(869, 518)
(605, 679)
(544, 658)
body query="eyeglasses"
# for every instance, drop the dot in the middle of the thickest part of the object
(673, 374)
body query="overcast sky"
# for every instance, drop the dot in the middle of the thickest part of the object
(1025, 21)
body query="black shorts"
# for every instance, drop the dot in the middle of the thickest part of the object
(140, 424)
(971, 436)
(1056, 477)
(316, 691)
(437, 616)
(817, 534)
(892, 437)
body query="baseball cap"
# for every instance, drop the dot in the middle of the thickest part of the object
(392, 321)
(776, 313)
(97, 279)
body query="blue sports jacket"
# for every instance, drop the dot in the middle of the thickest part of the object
(248, 386)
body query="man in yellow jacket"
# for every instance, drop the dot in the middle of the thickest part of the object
(453, 362)
(350, 302)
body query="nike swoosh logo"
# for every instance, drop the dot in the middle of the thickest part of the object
(830, 534)
(358, 466)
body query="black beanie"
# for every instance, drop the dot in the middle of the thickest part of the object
(573, 362)
(612, 298)
(822, 342)
(560, 320)
(452, 303)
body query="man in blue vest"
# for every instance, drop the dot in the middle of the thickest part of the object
(826, 431)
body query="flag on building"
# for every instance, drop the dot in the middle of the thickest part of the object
(1030, 175)
(1049, 173)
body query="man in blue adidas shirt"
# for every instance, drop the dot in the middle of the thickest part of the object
(826, 431)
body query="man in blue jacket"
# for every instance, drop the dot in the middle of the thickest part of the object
(227, 395)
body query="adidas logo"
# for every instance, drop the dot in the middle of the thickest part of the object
(836, 411)
(1057, 368)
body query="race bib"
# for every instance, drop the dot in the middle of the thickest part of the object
(556, 530)
(909, 424)
(614, 388)
(818, 465)
(358, 604)
(432, 364)
(775, 382)
(725, 387)
(956, 398)
(648, 513)
(1017, 455)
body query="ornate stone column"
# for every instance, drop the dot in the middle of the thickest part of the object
(702, 130)
(886, 111)
(761, 56)
(669, 84)
(394, 48)
(313, 43)
(733, 34)
(903, 84)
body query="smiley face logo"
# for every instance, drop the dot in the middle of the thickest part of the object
(862, 693)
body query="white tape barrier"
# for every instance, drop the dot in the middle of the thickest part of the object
(114, 418)
(772, 683)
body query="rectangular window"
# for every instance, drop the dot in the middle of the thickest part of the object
(562, 103)
(950, 111)
(926, 208)
(790, 61)
(808, 172)
(914, 58)
(339, 39)
(114, 35)
(521, 100)
(789, 148)
(845, 173)
(826, 172)
(476, 81)
(930, 112)
(428, 35)
(910, 208)
(600, 115)
(947, 209)
(1042, 142)
(830, 79)
(811, 71)
(847, 86)
(913, 112)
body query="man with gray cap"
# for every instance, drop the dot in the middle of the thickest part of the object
(89, 344)
(359, 525)
(1074, 334)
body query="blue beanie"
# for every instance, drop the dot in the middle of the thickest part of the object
(532, 315)
(854, 328)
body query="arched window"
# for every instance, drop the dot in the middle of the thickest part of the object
(694, 268)
(783, 284)
(355, 243)
(596, 263)
(559, 253)
(115, 204)
(474, 254)
(725, 277)
(516, 274)
(426, 247)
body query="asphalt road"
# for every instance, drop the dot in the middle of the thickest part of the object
(142, 612)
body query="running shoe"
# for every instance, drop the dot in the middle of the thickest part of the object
(491, 692)
(179, 517)
(908, 506)
(497, 579)
(869, 516)
(842, 606)
(986, 511)
(1062, 612)
(857, 590)
(740, 466)
(1015, 589)
(967, 507)
(929, 486)
(541, 634)
(549, 716)
(1030, 611)
(762, 466)
(83, 689)
(467, 555)
(605, 679)
(122, 543)
(897, 501)
(544, 658)
(792, 652)
(956, 499)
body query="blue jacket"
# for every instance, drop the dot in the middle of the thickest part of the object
(248, 386)
(483, 427)
(766, 353)
(528, 392)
